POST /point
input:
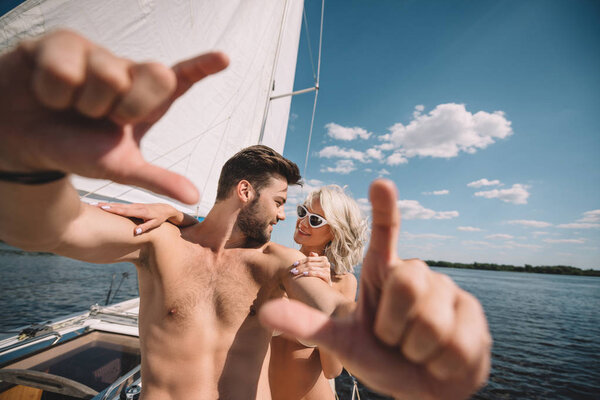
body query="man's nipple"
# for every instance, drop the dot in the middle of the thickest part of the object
(172, 312)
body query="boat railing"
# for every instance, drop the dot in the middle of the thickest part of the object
(119, 382)
(32, 340)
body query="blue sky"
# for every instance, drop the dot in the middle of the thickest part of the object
(484, 114)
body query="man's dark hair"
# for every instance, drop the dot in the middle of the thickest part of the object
(256, 164)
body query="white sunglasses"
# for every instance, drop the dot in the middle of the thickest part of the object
(314, 220)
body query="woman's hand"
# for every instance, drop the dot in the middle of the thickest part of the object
(154, 215)
(313, 265)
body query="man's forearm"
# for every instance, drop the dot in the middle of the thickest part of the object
(34, 217)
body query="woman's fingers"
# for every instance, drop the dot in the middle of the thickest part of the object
(317, 272)
(314, 266)
(313, 263)
(125, 210)
(140, 211)
(147, 226)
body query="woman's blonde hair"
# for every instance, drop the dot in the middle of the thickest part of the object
(348, 227)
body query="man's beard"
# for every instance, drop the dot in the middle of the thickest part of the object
(252, 226)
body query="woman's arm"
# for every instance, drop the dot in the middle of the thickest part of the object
(153, 215)
(332, 367)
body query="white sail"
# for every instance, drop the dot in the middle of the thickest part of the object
(218, 116)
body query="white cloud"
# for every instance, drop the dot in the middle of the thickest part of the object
(418, 110)
(364, 205)
(396, 159)
(484, 182)
(517, 194)
(411, 209)
(476, 243)
(411, 236)
(506, 245)
(314, 183)
(579, 225)
(530, 223)
(296, 194)
(590, 216)
(468, 229)
(337, 152)
(539, 233)
(446, 131)
(576, 241)
(511, 244)
(383, 172)
(385, 146)
(590, 220)
(341, 167)
(437, 192)
(500, 236)
(344, 133)
(375, 154)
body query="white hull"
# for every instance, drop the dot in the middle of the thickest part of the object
(45, 358)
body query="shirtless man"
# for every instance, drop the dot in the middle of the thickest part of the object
(69, 106)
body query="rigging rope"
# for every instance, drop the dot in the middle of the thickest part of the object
(312, 63)
(312, 120)
(355, 392)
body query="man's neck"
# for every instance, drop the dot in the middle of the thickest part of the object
(218, 230)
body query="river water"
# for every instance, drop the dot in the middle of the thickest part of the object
(546, 328)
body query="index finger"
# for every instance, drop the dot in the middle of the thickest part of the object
(386, 219)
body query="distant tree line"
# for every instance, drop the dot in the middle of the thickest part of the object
(542, 269)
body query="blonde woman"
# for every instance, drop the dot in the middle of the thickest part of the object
(331, 232)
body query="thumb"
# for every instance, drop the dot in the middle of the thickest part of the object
(299, 321)
(313, 254)
(386, 219)
(191, 71)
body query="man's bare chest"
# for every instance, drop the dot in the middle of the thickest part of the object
(227, 289)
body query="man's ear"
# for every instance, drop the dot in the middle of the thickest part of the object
(245, 192)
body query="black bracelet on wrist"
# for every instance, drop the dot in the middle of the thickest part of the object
(31, 178)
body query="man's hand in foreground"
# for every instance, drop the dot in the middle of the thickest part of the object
(414, 334)
(70, 105)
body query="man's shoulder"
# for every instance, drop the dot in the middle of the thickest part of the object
(165, 234)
